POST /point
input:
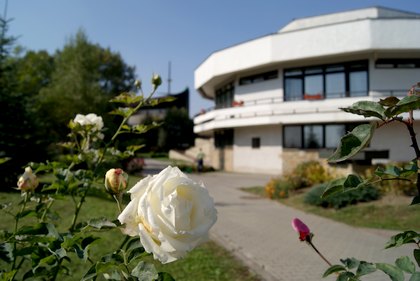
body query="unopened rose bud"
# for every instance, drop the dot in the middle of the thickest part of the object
(115, 181)
(301, 228)
(28, 181)
(137, 84)
(156, 81)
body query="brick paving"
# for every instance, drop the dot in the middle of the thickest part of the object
(259, 232)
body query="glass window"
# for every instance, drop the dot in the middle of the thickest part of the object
(313, 136)
(358, 83)
(293, 89)
(293, 136)
(313, 86)
(256, 142)
(333, 134)
(224, 96)
(335, 85)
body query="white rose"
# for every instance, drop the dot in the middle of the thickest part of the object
(28, 181)
(90, 119)
(171, 213)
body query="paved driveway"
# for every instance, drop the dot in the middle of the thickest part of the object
(259, 232)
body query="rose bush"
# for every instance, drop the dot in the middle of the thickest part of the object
(171, 213)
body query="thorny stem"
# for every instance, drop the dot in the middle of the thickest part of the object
(124, 121)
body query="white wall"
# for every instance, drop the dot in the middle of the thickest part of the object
(261, 90)
(394, 135)
(265, 159)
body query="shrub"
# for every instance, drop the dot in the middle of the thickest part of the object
(278, 188)
(310, 173)
(340, 200)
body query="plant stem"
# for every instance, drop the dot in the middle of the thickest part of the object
(118, 198)
(26, 196)
(318, 252)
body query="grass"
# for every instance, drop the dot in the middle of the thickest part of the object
(207, 262)
(390, 212)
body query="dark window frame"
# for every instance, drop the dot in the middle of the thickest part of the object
(255, 142)
(299, 73)
(224, 96)
(348, 127)
(391, 63)
(260, 77)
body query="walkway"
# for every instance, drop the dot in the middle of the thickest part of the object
(259, 232)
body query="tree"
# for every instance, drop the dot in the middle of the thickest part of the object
(177, 130)
(85, 77)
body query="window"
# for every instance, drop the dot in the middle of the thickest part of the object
(223, 138)
(315, 136)
(258, 77)
(398, 63)
(292, 136)
(327, 81)
(256, 142)
(224, 96)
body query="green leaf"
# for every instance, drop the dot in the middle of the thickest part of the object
(392, 271)
(333, 269)
(145, 272)
(101, 223)
(127, 98)
(405, 237)
(415, 276)
(416, 254)
(405, 264)
(389, 101)
(407, 104)
(367, 109)
(365, 268)
(353, 142)
(154, 102)
(333, 187)
(350, 263)
(122, 111)
(352, 182)
(346, 276)
(4, 160)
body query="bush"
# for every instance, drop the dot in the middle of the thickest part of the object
(278, 188)
(340, 200)
(308, 174)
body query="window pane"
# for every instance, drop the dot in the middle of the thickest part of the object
(333, 134)
(335, 84)
(292, 137)
(293, 90)
(313, 86)
(358, 83)
(313, 137)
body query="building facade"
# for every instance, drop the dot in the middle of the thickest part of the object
(277, 97)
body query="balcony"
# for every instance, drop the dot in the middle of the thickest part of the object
(270, 111)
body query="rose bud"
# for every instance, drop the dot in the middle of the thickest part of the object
(156, 81)
(28, 181)
(115, 181)
(301, 228)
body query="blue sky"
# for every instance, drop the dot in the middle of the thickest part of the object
(150, 33)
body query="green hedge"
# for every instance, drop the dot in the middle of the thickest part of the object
(340, 200)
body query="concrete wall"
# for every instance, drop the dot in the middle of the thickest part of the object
(265, 159)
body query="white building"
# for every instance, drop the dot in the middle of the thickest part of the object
(277, 97)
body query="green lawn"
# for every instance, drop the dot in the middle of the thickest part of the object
(390, 212)
(207, 262)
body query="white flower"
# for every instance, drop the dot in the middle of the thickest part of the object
(171, 213)
(90, 119)
(28, 181)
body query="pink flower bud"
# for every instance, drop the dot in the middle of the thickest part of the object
(115, 181)
(301, 228)
(28, 181)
